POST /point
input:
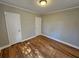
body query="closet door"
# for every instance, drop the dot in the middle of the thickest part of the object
(13, 27)
(38, 25)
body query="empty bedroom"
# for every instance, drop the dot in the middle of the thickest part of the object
(39, 28)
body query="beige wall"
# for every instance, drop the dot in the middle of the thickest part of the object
(27, 23)
(3, 33)
(63, 26)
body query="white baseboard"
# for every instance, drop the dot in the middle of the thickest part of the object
(29, 38)
(43, 35)
(17, 42)
(74, 46)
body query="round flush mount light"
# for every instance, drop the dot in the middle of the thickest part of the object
(42, 3)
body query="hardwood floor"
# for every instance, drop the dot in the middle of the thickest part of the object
(39, 47)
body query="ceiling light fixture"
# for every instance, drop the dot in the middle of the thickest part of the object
(43, 2)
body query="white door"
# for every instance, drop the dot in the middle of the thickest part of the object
(13, 27)
(38, 25)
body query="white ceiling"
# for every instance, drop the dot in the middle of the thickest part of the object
(53, 5)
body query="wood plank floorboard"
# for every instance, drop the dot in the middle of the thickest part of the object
(39, 47)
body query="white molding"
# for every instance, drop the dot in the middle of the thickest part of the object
(29, 38)
(61, 10)
(74, 46)
(18, 42)
(7, 4)
(28, 10)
